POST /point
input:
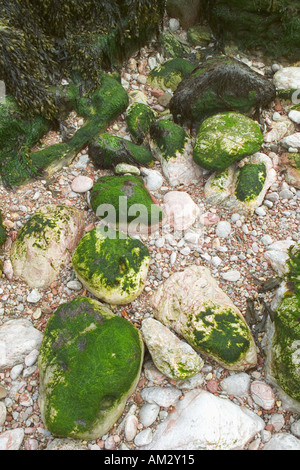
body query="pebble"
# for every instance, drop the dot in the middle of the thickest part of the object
(262, 394)
(223, 229)
(236, 384)
(164, 397)
(260, 211)
(131, 425)
(12, 439)
(82, 184)
(74, 285)
(143, 438)
(34, 296)
(295, 428)
(148, 414)
(294, 116)
(231, 275)
(2, 413)
(31, 358)
(16, 371)
(277, 421)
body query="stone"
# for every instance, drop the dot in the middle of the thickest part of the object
(291, 164)
(187, 11)
(287, 78)
(232, 275)
(294, 115)
(3, 235)
(283, 441)
(164, 397)
(174, 358)
(2, 413)
(192, 304)
(148, 414)
(172, 147)
(168, 75)
(203, 421)
(45, 244)
(236, 384)
(279, 131)
(131, 426)
(65, 444)
(139, 118)
(125, 168)
(17, 339)
(82, 184)
(111, 265)
(292, 140)
(152, 178)
(34, 297)
(219, 85)
(224, 139)
(223, 229)
(143, 438)
(181, 211)
(262, 394)
(12, 439)
(89, 364)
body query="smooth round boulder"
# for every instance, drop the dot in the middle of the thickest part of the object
(89, 364)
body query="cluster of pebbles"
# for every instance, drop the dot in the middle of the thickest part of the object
(232, 246)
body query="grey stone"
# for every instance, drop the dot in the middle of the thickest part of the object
(283, 441)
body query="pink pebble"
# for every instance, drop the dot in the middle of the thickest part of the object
(82, 184)
(263, 395)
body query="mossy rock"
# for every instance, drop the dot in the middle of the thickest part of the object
(199, 35)
(89, 364)
(107, 151)
(283, 366)
(173, 48)
(220, 84)
(170, 138)
(170, 74)
(293, 274)
(139, 117)
(225, 138)
(3, 235)
(111, 265)
(250, 181)
(128, 200)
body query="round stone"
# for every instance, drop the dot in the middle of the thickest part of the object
(82, 184)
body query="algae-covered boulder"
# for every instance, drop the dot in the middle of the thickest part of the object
(170, 74)
(123, 201)
(111, 265)
(89, 364)
(199, 35)
(172, 146)
(3, 235)
(173, 357)
(220, 84)
(224, 139)
(139, 117)
(173, 47)
(192, 304)
(242, 186)
(45, 243)
(283, 364)
(107, 151)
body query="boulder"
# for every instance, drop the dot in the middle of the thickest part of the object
(3, 235)
(172, 146)
(226, 138)
(139, 117)
(192, 304)
(220, 84)
(173, 357)
(45, 244)
(203, 421)
(89, 364)
(170, 74)
(111, 265)
(287, 78)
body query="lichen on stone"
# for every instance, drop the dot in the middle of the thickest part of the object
(250, 181)
(139, 117)
(170, 138)
(170, 74)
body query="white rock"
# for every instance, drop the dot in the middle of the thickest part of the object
(283, 441)
(216, 261)
(223, 229)
(262, 394)
(17, 339)
(180, 210)
(161, 396)
(143, 438)
(152, 178)
(2, 413)
(82, 184)
(31, 358)
(148, 414)
(236, 384)
(277, 421)
(8, 269)
(12, 440)
(34, 296)
(203, 421)
(74, 285)
(16, 371)
(232, 275)
(174, 24)
(291, 140)
(294, 116)
(278, 260)
(266, 240)
(131, 425)
(287, 78)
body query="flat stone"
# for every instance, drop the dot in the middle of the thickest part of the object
(164, 397)
(236, 384)
(11, 440)
(148, 414)
(283, 441)
(82, 184)
(223, 229)
(232, 275)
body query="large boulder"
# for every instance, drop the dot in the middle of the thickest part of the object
(111, 265)
(226, 138)
(220, 84)
(45, 244)
(170, 74)
(89, 364)
(192, 304)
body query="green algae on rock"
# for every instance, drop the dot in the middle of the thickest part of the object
(139, 117)
(293, 274)
(107, 151)
(170, 138)
(250, 182)
(173, 47)
(225, 138)
(126, 200)
(193, 305)
(111, 265)
(170, 74)
(45, 242)
(89, 364)
(3, 235)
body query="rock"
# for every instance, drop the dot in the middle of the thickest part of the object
(282, 441)
(17, 339)
(223, 229)
(287, 78)
(152, 178)
(174, 25)
(82, 184)
(111, 265)
(294, 115)
(291, 164)
(199, 35)
(192, 304)
(242, 186)
(148, 414)
(292, 140)
(34, 297)
(2, 413)
(45, 244)
(164, 397)
(143, 438)
(74, 285)
(124, 202)
(12, 439)
(174, 358)
(8, 269)
(168, 75)
(262, 394)
(180, 210)
(187, 11)
(236, 384)
(204, 421)
(3, 235)
(108, 150)
(89, 364)
(172, 47)
(139, 118)
(131, 426)
(226, 138)
(220, 84)
(65, 444)
(172, 146)
(232, 275)
(279, 131)
(125, 168)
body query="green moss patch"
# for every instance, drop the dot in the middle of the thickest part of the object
(250, 181)
(89, 363)
(169, 137)
(3, 235)
(170, 74)
(139, 118)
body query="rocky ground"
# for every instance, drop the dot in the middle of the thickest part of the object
(236, 259)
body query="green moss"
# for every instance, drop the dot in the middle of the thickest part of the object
(170, 74)
(199, 35)
(3, 235)
(286, 346)
(250, 181)
(172, 47)
(220, 333)
(93, 358)
(169, 137)
(293, 275)
(139, 118)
